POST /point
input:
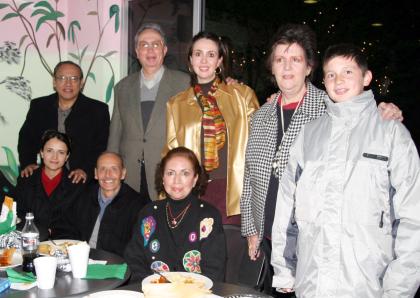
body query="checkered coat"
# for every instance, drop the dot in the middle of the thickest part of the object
(261, 154)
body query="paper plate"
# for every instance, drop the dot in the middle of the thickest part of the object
(208, 283)
(115, 294)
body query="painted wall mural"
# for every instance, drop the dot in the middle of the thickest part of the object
(35, 36)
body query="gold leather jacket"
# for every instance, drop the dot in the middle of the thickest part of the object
(183, 128)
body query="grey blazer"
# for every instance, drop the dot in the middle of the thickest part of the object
(128, 137)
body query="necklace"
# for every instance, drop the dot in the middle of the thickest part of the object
(281, 112)
(175, 221)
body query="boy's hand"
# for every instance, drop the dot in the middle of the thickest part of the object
(389, 111)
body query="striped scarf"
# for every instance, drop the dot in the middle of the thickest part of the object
(213, 126)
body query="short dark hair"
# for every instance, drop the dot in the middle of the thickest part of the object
(57, 67)
(201, 184)
(220, 49)
(349, 51)
(300, 34)
(51, 134)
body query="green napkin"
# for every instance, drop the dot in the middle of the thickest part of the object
(99, 271)
(17, 277)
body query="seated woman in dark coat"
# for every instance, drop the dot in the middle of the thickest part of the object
(181, 232)
(49, 192)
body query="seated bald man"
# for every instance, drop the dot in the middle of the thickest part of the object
(105, 213)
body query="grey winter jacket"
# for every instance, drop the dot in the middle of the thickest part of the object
(353, 187)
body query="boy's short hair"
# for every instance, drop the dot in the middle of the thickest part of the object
(346, 50)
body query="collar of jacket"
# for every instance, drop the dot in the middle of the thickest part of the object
(311, 103)
(76, 104)
(352, 108)
(220, 93)
(118, 196)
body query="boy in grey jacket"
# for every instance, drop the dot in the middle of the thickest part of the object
(352, 186)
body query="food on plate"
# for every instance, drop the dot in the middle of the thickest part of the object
(50, 249)
(6, 256)
(178, 278)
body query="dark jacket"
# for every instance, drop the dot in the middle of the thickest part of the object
(49, 212)
(184, 248)
(117, 221)
(87, 125)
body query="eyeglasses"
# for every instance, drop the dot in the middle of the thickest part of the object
(143, 45)
(72, 79)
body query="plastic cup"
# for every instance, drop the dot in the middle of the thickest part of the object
(79, 258)
(45, 268)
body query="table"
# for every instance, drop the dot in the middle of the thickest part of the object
(66, 286)
(219, 288)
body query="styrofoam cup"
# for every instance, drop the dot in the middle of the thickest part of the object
(79, 258)
(45, 268)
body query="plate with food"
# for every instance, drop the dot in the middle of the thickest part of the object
(50, 248)
(199, 280)
(9, 258)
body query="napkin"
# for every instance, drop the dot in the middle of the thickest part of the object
(8, 216)
(17, 277)
(99, 271)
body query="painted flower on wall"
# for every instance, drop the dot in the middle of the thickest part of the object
(18, 85)
(9, 53)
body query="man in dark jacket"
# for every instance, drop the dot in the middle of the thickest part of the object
(106, 213)
(84, 120)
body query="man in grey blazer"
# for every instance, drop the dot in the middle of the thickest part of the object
(138, 124)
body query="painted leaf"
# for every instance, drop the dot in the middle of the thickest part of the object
(83, 52)
(24, 5)
(109, 90)
(114, 10)
(8, 174)
(70, 33)
(92, 75)
(117, 23)
(45, 4)
(62, 30)
(42, 20)
(75, 56)
(109, 54)
(22, 39)
(11, 161)
(92, 13)
(58, 14)
(39, 11)
(4, 5)
(49, 39)
(9, 16)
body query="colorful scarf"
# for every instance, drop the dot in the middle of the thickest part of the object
(213, 126)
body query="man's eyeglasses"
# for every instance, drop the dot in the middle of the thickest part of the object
(72, 79)
(153, 45)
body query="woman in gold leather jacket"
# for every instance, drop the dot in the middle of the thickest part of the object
(212, 119)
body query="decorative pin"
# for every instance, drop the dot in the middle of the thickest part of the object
(159, 266)
(206, 226)
(148, 227)
(192, 237)
(191, 261)
(154, 246)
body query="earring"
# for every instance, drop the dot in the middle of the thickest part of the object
(218, 70)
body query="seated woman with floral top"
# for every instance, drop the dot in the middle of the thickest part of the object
(181, 232)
